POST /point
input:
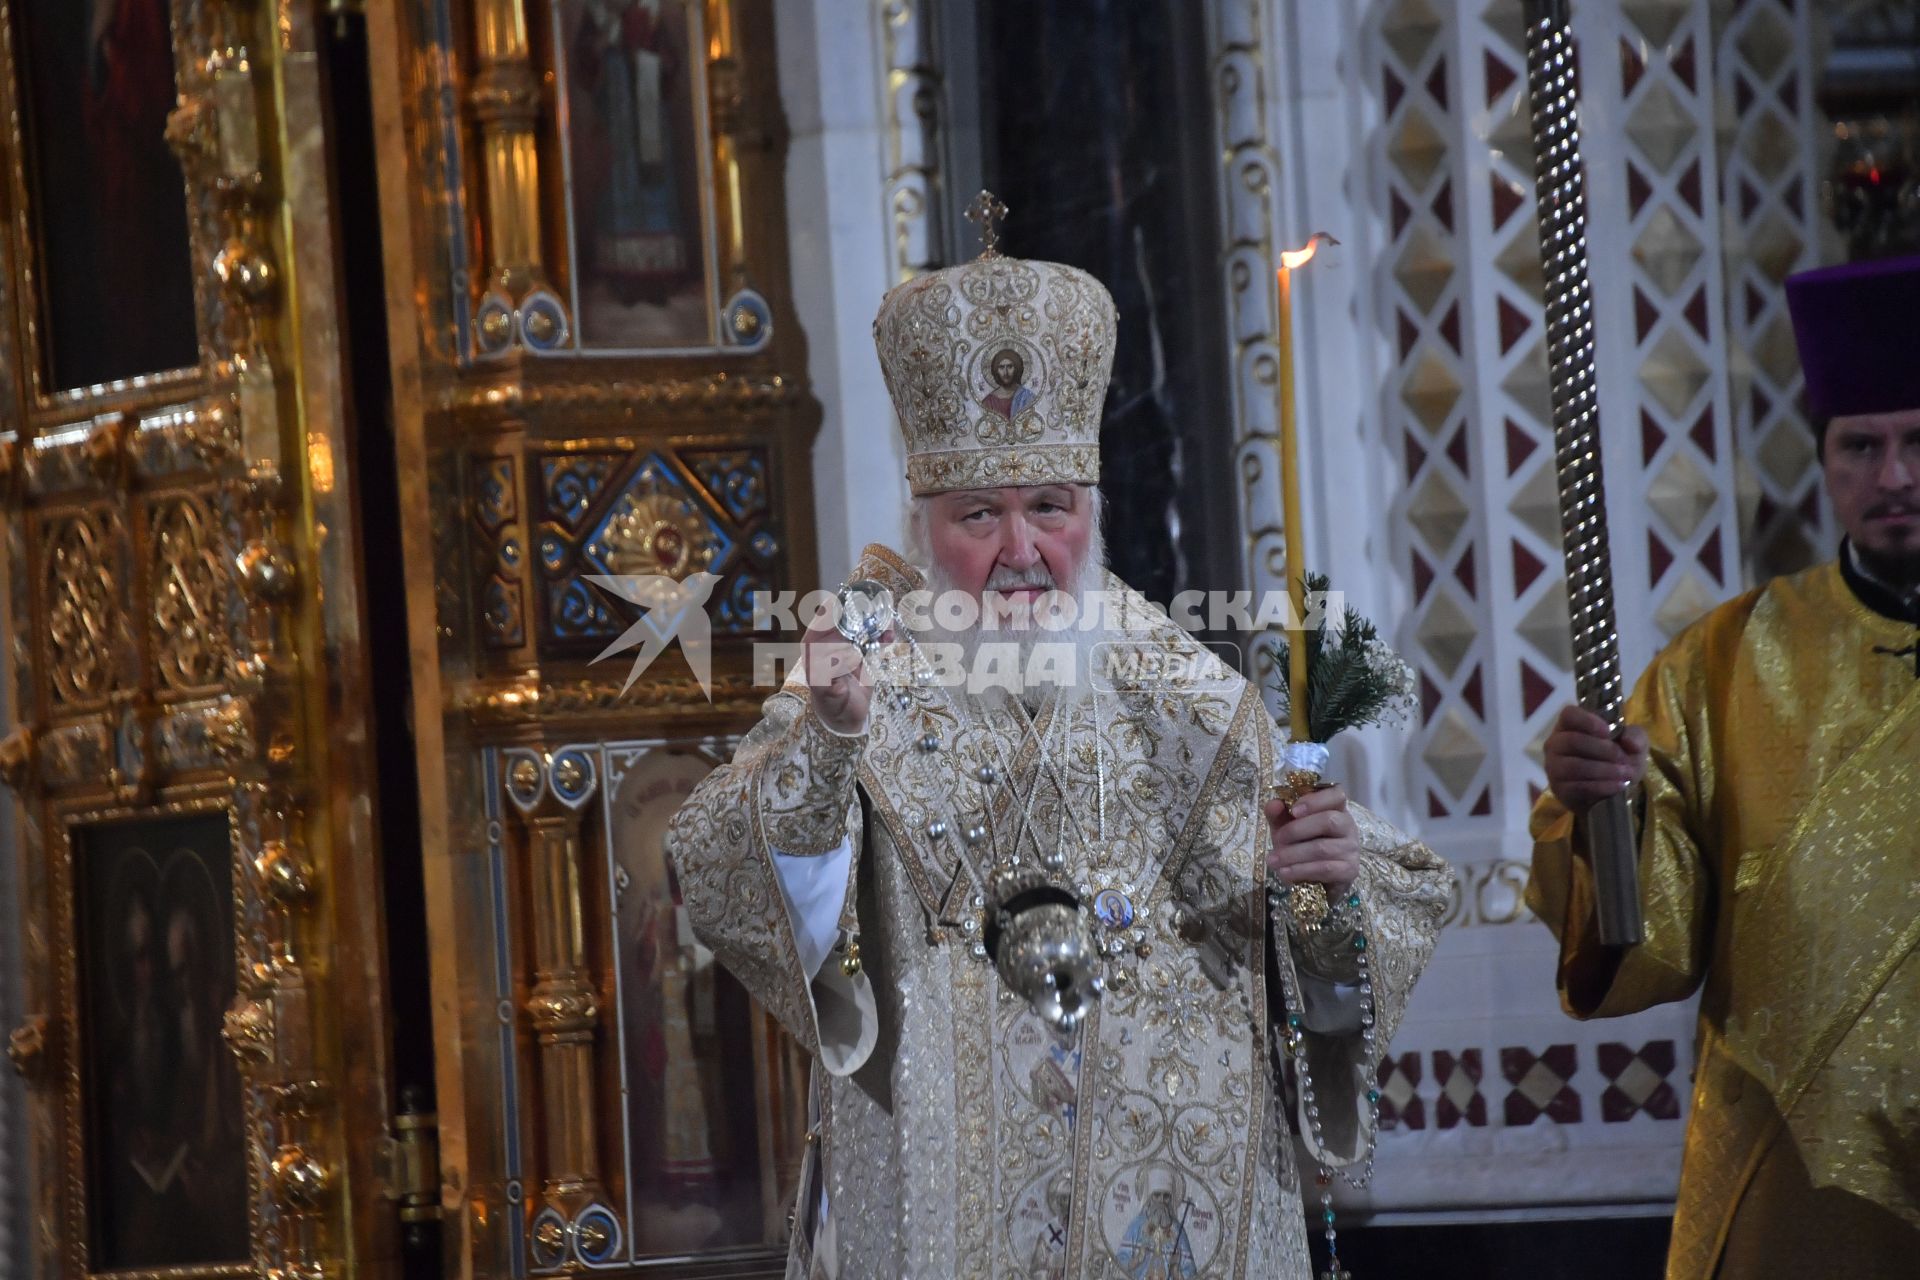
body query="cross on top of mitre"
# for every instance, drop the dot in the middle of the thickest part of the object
(986, 212)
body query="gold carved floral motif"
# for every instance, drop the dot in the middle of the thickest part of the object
(717, 393)
(188, 587)
(658, 533)
(521, 703)
(83, 610)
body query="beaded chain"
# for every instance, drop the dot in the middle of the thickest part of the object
(1344, 917)
(975, 833)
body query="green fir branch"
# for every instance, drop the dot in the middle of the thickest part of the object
(1353, 678)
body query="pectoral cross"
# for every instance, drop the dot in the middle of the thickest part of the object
(1912, 650)
(985, 212)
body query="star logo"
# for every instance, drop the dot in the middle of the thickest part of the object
(674, 610)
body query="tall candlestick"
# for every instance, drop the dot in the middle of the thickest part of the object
(1553, 94)
(1291, 521)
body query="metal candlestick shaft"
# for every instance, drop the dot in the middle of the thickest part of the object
(1553, 92)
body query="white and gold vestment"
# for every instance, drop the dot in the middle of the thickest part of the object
(952, 1126)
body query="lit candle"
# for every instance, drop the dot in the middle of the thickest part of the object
(1290, 260)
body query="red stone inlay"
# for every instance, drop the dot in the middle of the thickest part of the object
(1500, 77)
(1526, 567)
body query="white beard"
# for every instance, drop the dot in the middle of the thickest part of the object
(1026, 648)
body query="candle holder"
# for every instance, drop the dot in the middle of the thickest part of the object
(1343, 677)
(1307, 902)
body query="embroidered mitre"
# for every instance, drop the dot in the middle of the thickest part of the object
(998, 370)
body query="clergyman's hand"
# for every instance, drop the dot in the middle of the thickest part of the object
(1586, 763)
(1315, 840)
(837, 676)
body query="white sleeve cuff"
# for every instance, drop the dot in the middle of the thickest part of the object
(816, 892)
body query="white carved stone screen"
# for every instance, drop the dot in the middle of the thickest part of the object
(1400, 126)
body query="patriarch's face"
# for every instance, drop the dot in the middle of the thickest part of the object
(1018, 542)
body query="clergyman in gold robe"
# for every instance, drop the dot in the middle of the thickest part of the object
(840, 864)
(1773, 757)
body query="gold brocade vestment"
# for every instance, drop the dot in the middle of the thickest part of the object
(956, 1137)
(1780, 875)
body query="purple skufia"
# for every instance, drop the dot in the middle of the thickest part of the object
(1858, 330)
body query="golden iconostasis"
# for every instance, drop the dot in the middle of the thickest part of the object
(345, 344)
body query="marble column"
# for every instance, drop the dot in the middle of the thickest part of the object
(1096, 129)
(837, 214)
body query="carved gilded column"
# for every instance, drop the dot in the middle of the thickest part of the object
(255, 730)
(505, 102)
(727, 104)
(550, 790)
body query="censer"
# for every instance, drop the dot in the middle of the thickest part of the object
(1042, 946)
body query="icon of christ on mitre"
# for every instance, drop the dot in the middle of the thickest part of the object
(869, 862)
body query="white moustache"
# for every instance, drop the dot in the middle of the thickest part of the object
(1015, 579)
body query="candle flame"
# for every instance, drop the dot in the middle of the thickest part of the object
(1291, 258)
